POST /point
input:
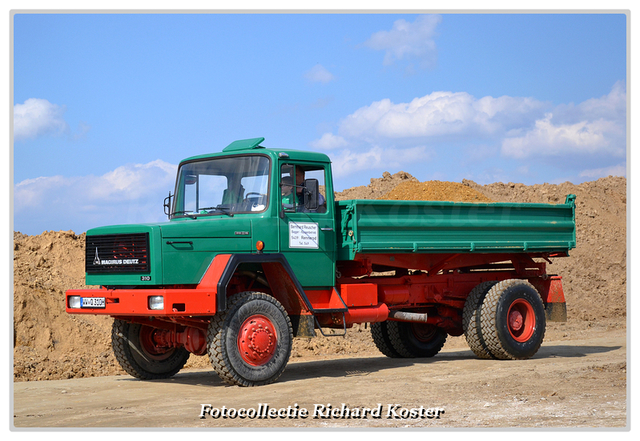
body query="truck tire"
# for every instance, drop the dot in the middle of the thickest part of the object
(249, 343)
(471, 320)
(136, 352)
(513, 320)
(380, 334)
(416, 340)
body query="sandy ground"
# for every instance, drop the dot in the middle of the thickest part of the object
(576, 381)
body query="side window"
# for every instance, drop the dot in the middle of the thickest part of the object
(292, 178)
(319, 175)
(287, 188)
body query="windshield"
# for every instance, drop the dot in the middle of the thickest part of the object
(222, 186)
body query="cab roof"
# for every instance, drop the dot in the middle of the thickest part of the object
(252, 145)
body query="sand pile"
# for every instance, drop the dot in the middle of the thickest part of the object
(434, 191)
(377, 188)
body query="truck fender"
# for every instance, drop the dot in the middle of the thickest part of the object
(278, 273)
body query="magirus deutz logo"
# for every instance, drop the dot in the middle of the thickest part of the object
(98, 261)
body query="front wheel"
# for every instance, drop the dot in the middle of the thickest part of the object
(513, 320)
(142, 355)
(250, 343)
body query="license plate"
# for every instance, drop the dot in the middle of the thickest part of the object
(93, 302)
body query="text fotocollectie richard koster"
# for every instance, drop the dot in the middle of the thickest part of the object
(321, 411)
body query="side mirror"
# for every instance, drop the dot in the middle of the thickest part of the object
(310, 194)
(167, 205)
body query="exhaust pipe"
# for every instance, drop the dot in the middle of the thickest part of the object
(380, 313)
(403, 316)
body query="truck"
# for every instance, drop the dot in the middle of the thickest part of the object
(256, 251)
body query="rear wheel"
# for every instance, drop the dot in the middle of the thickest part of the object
(411, 340)
(143, 356)
(471, 320)
(380, 334)
(249, 344)
(422, 339)
(513, 320)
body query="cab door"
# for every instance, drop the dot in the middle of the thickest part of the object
(307, 238)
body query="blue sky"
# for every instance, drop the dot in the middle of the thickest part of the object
(106, 105)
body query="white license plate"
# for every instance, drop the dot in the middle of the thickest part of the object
(93, 302)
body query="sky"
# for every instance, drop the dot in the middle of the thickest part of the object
(106, 105)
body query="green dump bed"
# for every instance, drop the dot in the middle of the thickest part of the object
(376, 226)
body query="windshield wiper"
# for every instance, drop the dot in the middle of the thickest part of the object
(220, 209)
(186, 213)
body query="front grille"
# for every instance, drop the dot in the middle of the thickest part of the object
(117, 253)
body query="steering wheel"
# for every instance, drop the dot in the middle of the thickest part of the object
(258, 195)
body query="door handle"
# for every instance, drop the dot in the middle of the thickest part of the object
(326, 229)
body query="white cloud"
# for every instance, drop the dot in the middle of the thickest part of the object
(438, 114)
(474, 134)
(37, 117)
(82, 130)
(390, 136)
(595, 126)
(615, 170)
(346, 162)
(550, 139)
(329, 141)
(133, 181)
(34, 193)
(523, 127)
(612, 106)
(131, 193)
(408, 40)
(319, 74)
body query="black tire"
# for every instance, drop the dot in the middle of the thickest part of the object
(380, 334)
(513, 320)
(249, 344)
(471, 320)
(136, 354)
(416, 340)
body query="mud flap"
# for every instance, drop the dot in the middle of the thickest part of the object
(556, 312)
(552, 294)
(303, 325)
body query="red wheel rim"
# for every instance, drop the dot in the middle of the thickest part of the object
(423, 332)
(153, 344)
(257, 340)
(521, 320)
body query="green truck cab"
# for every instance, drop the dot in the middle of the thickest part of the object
(256, 251)
(226, 203)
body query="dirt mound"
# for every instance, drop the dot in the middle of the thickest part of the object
(377, 188)
(51, 344)
(435, 191)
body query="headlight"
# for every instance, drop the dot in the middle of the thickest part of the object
(74, 302)
(156, 302)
